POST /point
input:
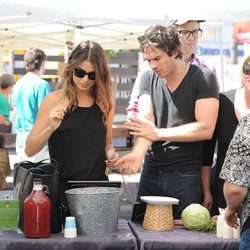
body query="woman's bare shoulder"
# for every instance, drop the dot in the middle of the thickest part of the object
(56, 97)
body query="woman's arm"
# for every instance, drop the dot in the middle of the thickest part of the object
(111, 155)
(49, 118)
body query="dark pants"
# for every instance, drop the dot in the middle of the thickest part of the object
(245, 240)
(184, 185)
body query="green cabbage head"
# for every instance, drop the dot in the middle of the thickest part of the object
(197, 217)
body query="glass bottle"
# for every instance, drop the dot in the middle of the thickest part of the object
(37, 209)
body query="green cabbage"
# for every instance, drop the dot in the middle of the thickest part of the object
(197, 217)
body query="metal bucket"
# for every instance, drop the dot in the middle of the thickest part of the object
(96, 209)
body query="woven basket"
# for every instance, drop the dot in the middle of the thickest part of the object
(158, 218)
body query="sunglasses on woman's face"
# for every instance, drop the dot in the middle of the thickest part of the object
(80, 73)
(246, 69)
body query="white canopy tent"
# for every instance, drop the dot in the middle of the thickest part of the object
(60, 25)
(114, 24)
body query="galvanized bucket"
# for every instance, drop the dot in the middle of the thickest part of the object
(96, 209)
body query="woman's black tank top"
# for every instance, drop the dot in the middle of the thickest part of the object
(79, 145)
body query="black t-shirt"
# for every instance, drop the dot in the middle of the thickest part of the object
(174, 109)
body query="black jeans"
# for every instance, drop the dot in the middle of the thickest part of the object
(184, 185)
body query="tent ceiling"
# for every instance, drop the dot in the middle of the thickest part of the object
(114, 24)
(111, 35)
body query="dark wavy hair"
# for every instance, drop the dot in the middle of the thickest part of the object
(102, 91)
(6, 80)
(160, 37)
(34, 58)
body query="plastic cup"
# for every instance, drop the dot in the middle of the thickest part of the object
(70, 227)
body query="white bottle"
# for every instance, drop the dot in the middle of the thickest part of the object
(236, 232)
(227, 231)
(219, 225)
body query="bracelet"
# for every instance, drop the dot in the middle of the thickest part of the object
(110, 153)
(108, 147)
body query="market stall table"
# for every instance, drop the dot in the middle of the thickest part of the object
(123, 238)
(180, 239)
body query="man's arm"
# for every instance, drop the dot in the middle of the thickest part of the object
(206, 112)
(142, 144)
(205, 180)
(131, 163)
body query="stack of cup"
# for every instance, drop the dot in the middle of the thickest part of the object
(70, 227)
(219, 225)
(236, 232)
(227, 231)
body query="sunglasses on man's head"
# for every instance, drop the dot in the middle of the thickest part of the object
(246, 69)
(154, 37)
(80, 73)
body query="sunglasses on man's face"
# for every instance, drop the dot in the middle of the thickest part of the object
(246, 69)
(80, 73)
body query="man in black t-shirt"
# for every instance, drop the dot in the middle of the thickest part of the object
(178, 107)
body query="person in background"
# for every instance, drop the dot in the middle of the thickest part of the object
(27, 96)
(178, 106)
(189, 32)
(236, 174)
(6, 84)
(234, 104)
(77, 119)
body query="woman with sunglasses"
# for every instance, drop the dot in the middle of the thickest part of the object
(234, 104)
(77, 119)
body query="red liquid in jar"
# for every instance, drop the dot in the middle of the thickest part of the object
(37, 209)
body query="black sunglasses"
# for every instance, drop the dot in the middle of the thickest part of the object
(80, 73)
(246, 69)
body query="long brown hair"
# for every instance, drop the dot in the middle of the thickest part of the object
(102, 91)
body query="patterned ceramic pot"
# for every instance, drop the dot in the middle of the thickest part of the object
(96, 209)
